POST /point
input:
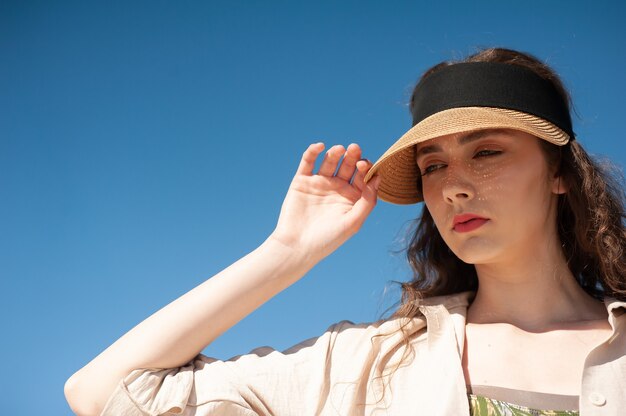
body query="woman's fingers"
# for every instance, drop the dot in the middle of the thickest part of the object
(364, 206)
(362, 167)
(348, 165)
(352, 167)
(331, 160)
(307, 163)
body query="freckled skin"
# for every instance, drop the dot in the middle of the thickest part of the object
(502, 176)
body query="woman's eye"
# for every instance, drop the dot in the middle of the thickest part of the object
(483, 153)
(431, 168)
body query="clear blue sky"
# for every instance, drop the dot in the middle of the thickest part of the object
(144, 146)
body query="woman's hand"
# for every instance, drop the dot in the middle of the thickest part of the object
(321, 211)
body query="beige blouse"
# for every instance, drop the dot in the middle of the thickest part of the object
(356, 369)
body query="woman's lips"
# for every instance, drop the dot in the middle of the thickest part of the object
(468, 222)
(470, 225)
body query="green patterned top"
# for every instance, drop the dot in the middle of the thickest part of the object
(484, 406)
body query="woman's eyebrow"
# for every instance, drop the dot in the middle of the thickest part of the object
(465, 139)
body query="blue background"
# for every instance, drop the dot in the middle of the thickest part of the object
(144, 146)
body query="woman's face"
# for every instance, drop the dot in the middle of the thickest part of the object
(490, 193)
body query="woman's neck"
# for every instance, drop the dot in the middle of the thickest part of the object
(535, 292)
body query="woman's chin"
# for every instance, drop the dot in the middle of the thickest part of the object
(476, 252)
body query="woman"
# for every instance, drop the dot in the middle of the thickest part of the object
(518, 296)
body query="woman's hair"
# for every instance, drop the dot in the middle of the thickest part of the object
(589, 217)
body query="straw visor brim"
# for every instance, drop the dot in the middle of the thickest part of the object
(397, 167)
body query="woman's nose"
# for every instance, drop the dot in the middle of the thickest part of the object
(457, 186)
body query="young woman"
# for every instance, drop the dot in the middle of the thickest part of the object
(517, 304)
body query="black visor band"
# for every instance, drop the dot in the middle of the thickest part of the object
(490, 84)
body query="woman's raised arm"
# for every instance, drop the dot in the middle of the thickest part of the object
(320, 212)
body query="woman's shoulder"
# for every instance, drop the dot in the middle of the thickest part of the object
(395, 326)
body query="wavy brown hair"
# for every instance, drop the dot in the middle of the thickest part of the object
(590, 216)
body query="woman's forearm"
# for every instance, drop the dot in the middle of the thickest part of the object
(176, 333)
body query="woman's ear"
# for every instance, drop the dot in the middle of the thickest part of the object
(558, 184)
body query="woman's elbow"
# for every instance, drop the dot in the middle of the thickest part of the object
(81, 403)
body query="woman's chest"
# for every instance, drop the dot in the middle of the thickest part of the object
(505, 356)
